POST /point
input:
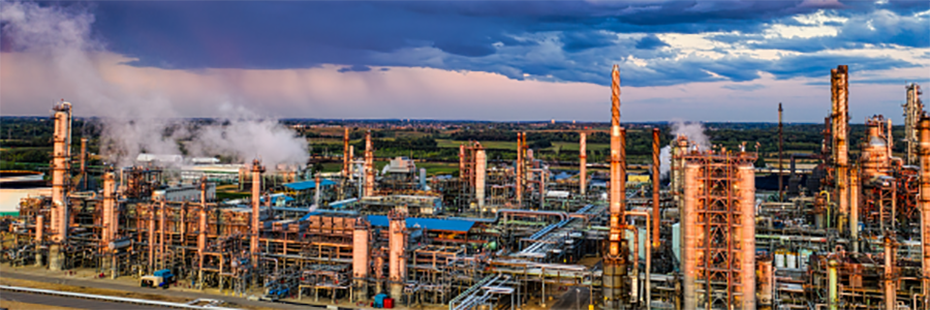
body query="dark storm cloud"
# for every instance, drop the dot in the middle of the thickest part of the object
(547, 40)
(650, 42)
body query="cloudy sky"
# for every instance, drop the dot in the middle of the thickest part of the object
(523, 60)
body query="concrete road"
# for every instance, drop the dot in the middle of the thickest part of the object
(61, 301)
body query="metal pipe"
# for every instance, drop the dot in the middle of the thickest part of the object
(648, 256)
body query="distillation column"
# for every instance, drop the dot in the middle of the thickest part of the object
(201, 231)
(924, 202)
(61, 164)
(747, 228)
(110, 222)
(397, 258)
(360, 258)
(689, 234)
(481, 163)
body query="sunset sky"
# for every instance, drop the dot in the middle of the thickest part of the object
(501, 60)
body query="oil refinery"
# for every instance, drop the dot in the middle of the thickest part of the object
(502, 234)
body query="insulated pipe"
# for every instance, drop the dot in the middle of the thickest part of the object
(583, 166)
(257, 170)
(656, 162)
(923, 202)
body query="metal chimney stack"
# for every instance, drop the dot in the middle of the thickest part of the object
(583, 165)
(257, 170)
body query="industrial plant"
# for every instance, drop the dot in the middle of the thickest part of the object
(851, 232)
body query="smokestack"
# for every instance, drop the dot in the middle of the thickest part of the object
(317, 197)
(923, 203)
(481, 164)
(519, 171)
(890, 141)
(781, 145)
(369, 167)
(345, 154)
(841, 123)
(462, 162)
(61, 164)
(202, 230)
(83, 164)
(583, 165)
(656, 216)
(614, 264)
(257, 170)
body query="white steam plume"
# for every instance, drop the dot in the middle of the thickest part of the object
(134, 122)
(693, 131)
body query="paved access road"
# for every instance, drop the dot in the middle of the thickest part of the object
(61, 301)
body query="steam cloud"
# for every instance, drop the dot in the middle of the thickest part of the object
(691, 130)
(133, 122)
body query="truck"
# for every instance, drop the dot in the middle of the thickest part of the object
(161, 278)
